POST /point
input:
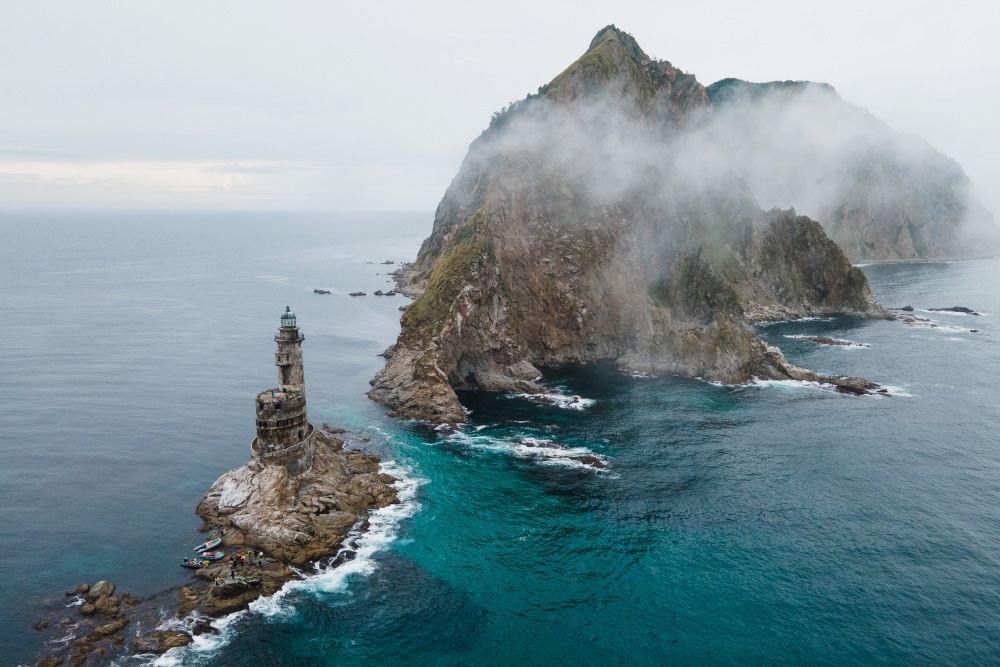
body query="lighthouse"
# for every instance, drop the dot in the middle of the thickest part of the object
(288, 357)
(284, 435)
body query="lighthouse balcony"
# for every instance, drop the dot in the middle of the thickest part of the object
(286, 336)
(280, 400)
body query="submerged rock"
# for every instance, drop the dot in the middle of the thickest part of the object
(591, 461)
(826, 340)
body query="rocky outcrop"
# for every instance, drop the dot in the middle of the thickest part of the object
(297, 519)
(578, 230)
(277, 519)
(880, 194)
(161, 641)
(99, 590)
(189, 601)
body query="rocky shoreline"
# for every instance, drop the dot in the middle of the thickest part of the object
(291, 520)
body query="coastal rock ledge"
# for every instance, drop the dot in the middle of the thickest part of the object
(298, 519)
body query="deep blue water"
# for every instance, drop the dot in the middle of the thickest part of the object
(771, 524)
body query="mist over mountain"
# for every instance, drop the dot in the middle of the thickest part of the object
(881, 195)
(591, 222)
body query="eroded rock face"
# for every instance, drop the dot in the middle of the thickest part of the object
(297, 519)
(575, 232)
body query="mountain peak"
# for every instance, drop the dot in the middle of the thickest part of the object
(611, 33)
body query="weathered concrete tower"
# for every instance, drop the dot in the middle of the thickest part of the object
(284, 435)
(288, 358)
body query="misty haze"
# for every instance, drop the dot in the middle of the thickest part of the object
(331, 343)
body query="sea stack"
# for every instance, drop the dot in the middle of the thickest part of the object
(303, 490)
(284, 435)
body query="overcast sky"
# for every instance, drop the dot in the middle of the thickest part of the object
(371, 105)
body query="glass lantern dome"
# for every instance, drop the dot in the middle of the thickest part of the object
(288, 319)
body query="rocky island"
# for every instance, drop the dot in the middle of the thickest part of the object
(585, 225)
(300, 500)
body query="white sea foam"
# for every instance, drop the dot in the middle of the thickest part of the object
(924, 323)
(843, 342)
(798, 319)
(949, 312)
(382, 530)
(565, 401)
(893, 391)
(541, 450)
(791, 384)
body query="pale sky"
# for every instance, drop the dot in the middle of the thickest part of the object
(307, 105)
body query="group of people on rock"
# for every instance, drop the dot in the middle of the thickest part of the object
(242, 558)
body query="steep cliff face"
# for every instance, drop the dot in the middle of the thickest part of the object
(581, 227)
(880, 195)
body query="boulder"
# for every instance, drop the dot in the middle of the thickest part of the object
(169, 639)
(99, 589)
(109, 629)
(107, 605)
(204, 628)
(41, 625)
(161, 641)
(88, 609)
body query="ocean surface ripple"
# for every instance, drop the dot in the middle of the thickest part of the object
(771, 523)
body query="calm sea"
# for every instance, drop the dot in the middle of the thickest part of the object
(772, 524)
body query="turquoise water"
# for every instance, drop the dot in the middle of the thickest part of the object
(769, 524)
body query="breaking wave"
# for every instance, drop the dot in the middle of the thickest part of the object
(838, 342)
(811, 318)
(559, 400)
(541, 450)
(328, 576)
(926, 323)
